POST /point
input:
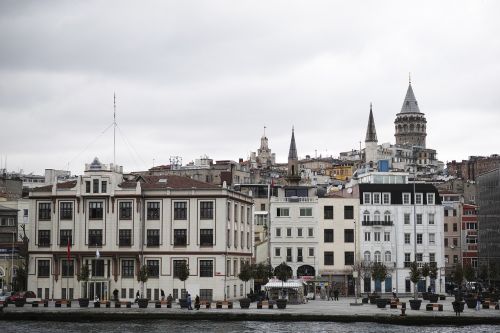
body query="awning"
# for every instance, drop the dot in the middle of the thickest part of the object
(261, 212)
(289, 284)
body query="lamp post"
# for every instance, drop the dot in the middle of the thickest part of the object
(12, 261)
(355, 273)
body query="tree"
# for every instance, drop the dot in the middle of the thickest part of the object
(83, 276)
(469, 273)
(363, 268)
(283, 272)
(142, 277)
(378, 271)
(262, 272)
(433, 273)
(415, 274)
(246, 273)
(183, 272)
(483, 273)
(425, 271)
(21, 281)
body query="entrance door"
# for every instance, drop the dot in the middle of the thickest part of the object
(98, 289)
(388, 284)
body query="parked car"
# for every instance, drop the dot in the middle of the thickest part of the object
(21, 295)
(4, 296)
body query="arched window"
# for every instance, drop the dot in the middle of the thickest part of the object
(377, 256)
(388, 256)
(366, 216)
(387, 216)
(377, 215)
(367, 256)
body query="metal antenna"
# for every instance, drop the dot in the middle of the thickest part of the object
(114, 128)
(409, 77)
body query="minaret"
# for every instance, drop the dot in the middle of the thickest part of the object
(410, 123)
(293, 177)
(371, 142)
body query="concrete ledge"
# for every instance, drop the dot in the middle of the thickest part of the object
(80, 316)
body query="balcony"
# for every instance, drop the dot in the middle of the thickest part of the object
(377, 223)
(294, 199)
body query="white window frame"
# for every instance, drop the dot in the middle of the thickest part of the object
(432, 238)
(386, 195)
(305, 212)
(419, 199)
(432, 199)
(376, 236)
(406, 198)
(367, 236)
(367, 198)
(282, 210)
(387, 236)
(376, 198)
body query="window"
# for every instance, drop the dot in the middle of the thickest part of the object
(328, 212)
(328, 258)
(235, 212)
(377, 257)
(180, 210)
(446, 242)
(207, 210)
(262, 207)
(366, 216)
(348, 258)
(95, 210)
(65, 237)
(43, 268)
(446, 227)
(376, 198)
(288, 254)
(127, 268)
(406, 198)
(180, 237)
(310, 232)
(306, 212)
(455, 227)
(348, 235)
(153, 210)
(153, 237)
(87, 186)
(277, 252)
(125, 237)
(300, 257)
(178, 264)
(387, 256)
(282, 212)
(97, 267)
(367, 256)
(432, 239)
(206, 237)
(299, 232)
(66, 211)
(235, 239)
(288, 232)
(104, 186)
(311, 252)
(432, 257)
(67, 268)
(367, 236)
(367, 198)
(431, 218)
(407, 257)
(419, 238)
(430, 198)
(376, 236)
(455, 259)
(387, 216)
(95, 185)
(455, 242)
(206, 295)
(153, 268)
(420, 257)
(125, 210)
(386, 198)
(387, 236)
(43, 238)
(328, 235)
(407, 238)
(44, 211)
(419, 218)
(376, 215)
(95, 237)
(348, 212)
(407, 218)
(418, 198)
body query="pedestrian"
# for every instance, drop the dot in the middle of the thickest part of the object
(137, 296)
(478, 303)
(394, 293)
(330, 293)
(189, 302)
(336, 294)
(169, 298)
(162, 294)
(197, 302)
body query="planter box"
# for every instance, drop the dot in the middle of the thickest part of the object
(442, 297)
(183, 303)
(281, 303)
(433, 298)
(458, 307)
(19, 303)
(415, 304)
(83, 302)
(425, 296)
(365, 300)
(245, 303)
(373, 299)
(471, 303)
(381, 303)
(143, 302)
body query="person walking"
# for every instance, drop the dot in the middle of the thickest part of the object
(394, 293)
(197, 302)
(336, 294)
(189, 302)
(478, 303)
(162, 293)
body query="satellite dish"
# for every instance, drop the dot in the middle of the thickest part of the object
(349, 190)
(452, 247)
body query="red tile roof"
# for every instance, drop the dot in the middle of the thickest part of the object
(65, 185)
(176, 182)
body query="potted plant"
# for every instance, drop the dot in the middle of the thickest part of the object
(115, 295)
(183, 275)
(379, 273)
(142, 277)
(363, 269)
(424, 272)
(245, 275)
(83, 276)
(414, 278)
(282, 272)
(458, 278)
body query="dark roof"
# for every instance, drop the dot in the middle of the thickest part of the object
(371, 133)
(65, 185)
(292, 153)
(410, 104)
(154, 182)
(396, 191)
(8, 209)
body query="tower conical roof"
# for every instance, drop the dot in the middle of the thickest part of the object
(371, 133)
(292, 153)
(410, 104)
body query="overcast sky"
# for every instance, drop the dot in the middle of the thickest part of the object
(205, 77)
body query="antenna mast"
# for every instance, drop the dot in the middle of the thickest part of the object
(114, 129)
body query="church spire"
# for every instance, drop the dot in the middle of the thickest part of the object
(371, 133)
(292, 153)
(293, 176)
(410, 104)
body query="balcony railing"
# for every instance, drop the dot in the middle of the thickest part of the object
(419, 263)
(377, 223)
(294, 199)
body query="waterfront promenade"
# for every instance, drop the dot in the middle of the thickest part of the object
(317, 310)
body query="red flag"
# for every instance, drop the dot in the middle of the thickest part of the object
(69, 250)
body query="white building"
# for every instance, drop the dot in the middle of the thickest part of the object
(115, 223)
(388, 213)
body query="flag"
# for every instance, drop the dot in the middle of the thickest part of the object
(97, 254)
(69, 249)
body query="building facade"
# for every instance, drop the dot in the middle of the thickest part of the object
(115, 223)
